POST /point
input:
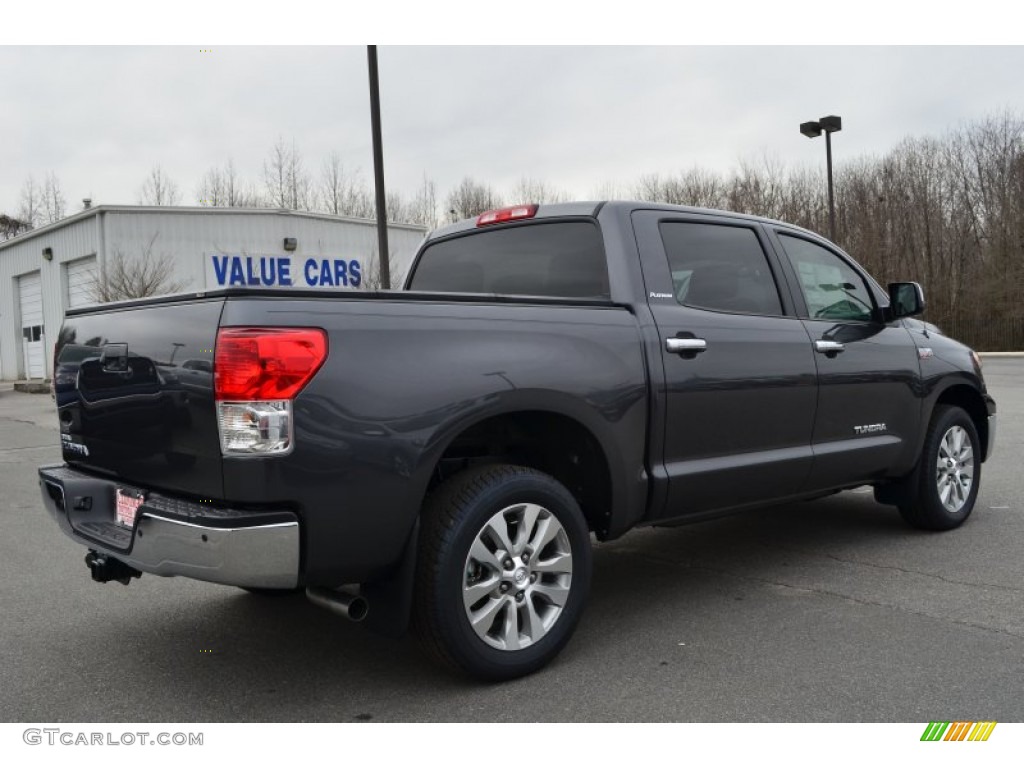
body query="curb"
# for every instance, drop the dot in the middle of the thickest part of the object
(32, 387)
(1001, 354)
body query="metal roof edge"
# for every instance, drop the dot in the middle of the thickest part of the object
(200, 210)
(52, 227)
(215, 210)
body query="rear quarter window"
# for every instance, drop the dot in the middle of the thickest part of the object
(560, 259)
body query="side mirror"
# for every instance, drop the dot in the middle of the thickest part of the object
(905, 299)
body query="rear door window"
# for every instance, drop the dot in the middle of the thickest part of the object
(719, 267)
(563, 259)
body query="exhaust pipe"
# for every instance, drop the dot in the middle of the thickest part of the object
(105, 568)
(353, 607)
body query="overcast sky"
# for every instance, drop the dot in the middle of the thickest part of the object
(575, 117)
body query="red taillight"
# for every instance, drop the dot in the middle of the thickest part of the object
(506, 214)
(266, 363)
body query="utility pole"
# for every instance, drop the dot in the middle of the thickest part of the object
(378, 172)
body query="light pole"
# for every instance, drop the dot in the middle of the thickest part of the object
(812, 130)
(383, 257)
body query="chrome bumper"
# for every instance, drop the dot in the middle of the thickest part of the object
(246, 556)
(990, 444)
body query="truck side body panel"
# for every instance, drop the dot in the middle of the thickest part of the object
(402, 379)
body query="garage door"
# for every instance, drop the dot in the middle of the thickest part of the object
(30, 297)
(81, 278)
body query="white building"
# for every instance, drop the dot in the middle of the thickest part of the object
(49, 270)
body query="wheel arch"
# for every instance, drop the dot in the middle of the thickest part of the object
(561, 442)
(969, 398)
(615, 490)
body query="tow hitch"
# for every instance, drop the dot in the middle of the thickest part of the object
(105, 568)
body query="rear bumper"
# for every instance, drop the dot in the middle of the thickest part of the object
(175, 537)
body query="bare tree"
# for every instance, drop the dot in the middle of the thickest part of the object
(210, 192)
(757, 186)
(284, 175)
(423, 207)
(300, 186)
(54, 203)
(124, 277)
(701, 188)
(696, 187)
(275, 174)
(470, 199)
(528, 190)
(222, 188)
(608, 190)
(12, 227)
(395, 207)
(333, 184)
(158, 189)
(31, 211)
(249, 196)
(371, 276)
(343, 192)
(649, 188)
(234, 194)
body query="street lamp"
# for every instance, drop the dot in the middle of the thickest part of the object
(812, 130)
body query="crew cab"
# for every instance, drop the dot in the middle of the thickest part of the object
(441, 456)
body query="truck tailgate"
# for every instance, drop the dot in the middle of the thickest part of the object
(134, 391)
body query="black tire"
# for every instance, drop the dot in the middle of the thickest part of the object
(454, 518)
(920, 503)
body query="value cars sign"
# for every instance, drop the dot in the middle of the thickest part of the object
(263, 271)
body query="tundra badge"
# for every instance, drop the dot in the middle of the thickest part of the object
(869, 428)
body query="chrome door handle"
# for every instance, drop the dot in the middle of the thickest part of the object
(828, 347)
(686, 345)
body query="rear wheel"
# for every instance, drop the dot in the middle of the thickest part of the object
(941, 492)
(503, 571)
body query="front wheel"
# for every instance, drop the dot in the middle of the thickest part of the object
(503, 571)
(944, 486)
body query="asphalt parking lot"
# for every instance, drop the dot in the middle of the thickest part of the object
(831, 610)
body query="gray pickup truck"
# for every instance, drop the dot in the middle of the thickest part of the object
(439, 457)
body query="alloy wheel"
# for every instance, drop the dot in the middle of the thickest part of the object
(517, 577)
(954, 470)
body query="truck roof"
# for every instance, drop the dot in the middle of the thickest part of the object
(591, 208)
